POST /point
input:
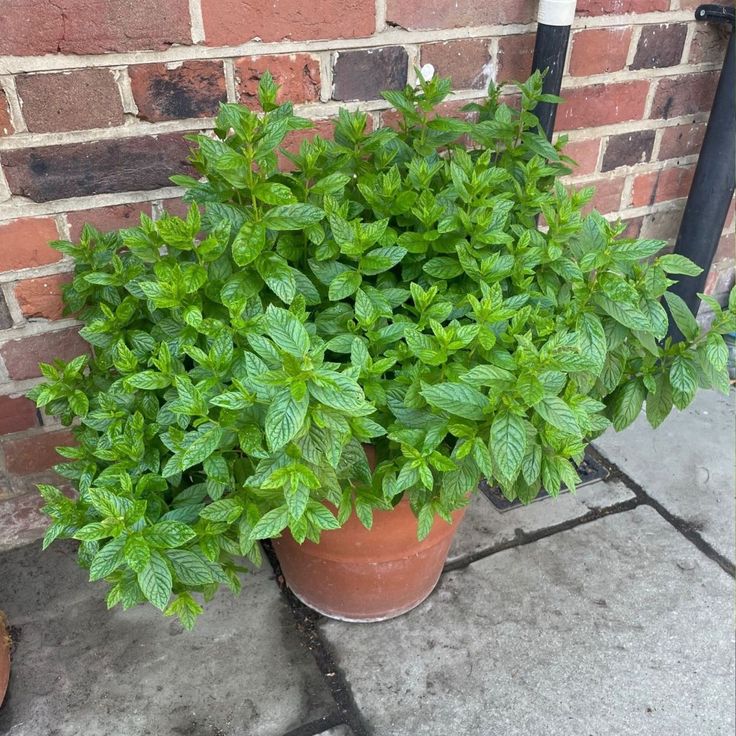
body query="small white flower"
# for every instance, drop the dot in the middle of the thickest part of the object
(426, 72)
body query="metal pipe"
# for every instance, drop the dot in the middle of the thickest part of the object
(550, 48)
(713, 182)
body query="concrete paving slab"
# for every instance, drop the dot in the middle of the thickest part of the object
(687, 464)
(484, 526)
(619, 626)
(80, 669)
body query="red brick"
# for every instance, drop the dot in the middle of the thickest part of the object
(709, 43)
(22, 356)
(296, 74)
(681, 140)
(465, 61)
(684, 95)
(607, 196)
(599, 51)
(619, 7)
(644, 186)
(633, 227)
(6, 127)
(585, 153)
(106, 219)
(720, 281)
(602, 104)
(33, 27)
(45, 173)
(193, 89)
(728, 224)
(36, 453)
(25, 243)
(41, 297)
(417, 14)
(515, 57)
(230, 22)
(87, 98)
(175, 206)
(17, 414)
(660, 186)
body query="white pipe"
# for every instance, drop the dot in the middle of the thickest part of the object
(556, 12)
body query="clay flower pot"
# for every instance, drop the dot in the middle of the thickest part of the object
(4, 657)
(354, 574)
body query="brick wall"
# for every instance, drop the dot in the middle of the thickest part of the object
(95, 96)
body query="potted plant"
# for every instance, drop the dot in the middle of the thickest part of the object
(389, 290)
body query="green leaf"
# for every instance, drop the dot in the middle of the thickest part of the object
(556, 412)
(337, 391)
(684, 380)
(297, 498)
(508, 443)
(284, 419)
(292, 216)
(627, 314)
(675, 263)
(425, 521)
(626, 403)
(344, 284)
(148, 380)
(137, 552)
(92, 532)
(455, 398)
(227, 510)
(443, 267)
(186, 609)
(169, 534)
(108, 559)
(331, 184)
(379, 260)
(592, 340)
(636, 251)
(321, 516)
(190, 567)
(201, 447)
(684, 319)
(277, 274)
(287, 331)
(659, 402)
(271, 523)
(249, 243)
(155, 581)
(716, 351)
(273, 193)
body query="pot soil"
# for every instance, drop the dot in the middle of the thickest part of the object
(4, 656)
(356, 574)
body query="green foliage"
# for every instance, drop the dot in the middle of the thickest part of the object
(392, 288)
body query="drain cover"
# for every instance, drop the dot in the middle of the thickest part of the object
(589, 471)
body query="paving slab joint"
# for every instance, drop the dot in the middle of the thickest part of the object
(306, 623)
(523, 538)
(681, 525)
(320, 726)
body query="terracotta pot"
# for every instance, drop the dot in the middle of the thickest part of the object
(4, 657)
(354, 574)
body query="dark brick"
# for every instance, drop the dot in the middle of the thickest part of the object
(515, 57)
(194, 89)
(684, 95)
(92, 26)
(660, 46)
(16, 414)
(22, 356)
(363, 75)
(709, 43)
(6, 320)
(628, 149)
(681, 140)
(80, 169)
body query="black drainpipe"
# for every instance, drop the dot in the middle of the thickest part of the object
(550, 48)
(713, 182)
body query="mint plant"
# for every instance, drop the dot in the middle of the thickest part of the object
(392, 288)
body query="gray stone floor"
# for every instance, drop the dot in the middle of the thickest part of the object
(610, 612)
